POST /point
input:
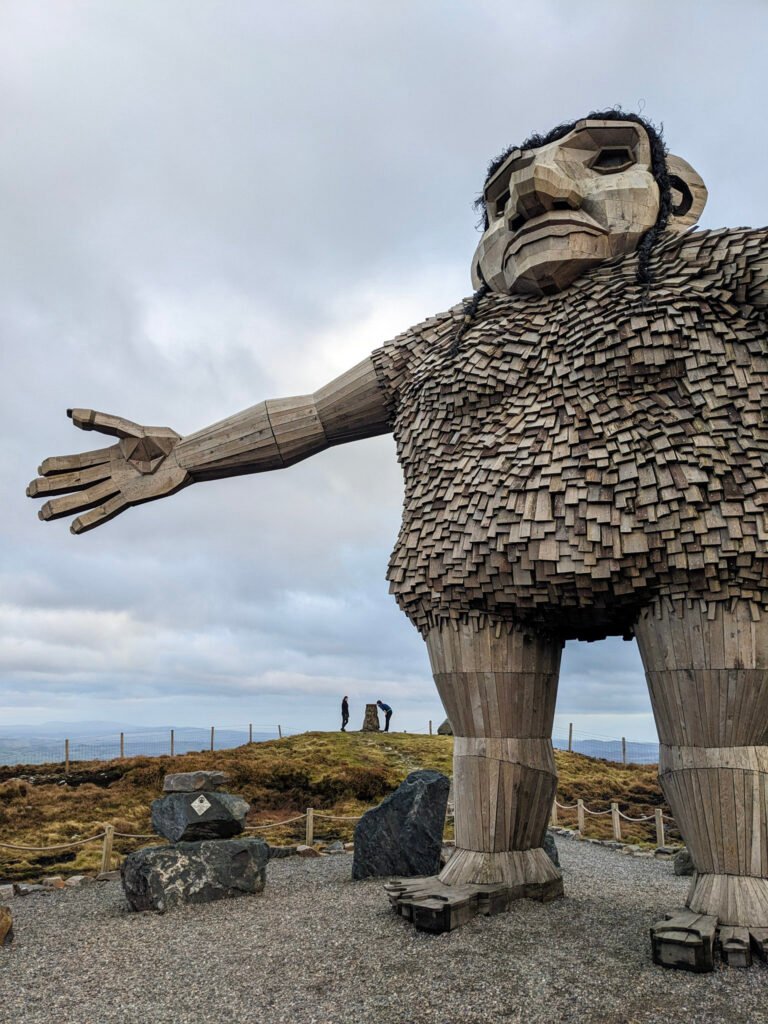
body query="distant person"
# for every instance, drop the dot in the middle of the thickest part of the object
(344, 713)
(387, 713)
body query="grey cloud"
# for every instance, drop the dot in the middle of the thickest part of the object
(203, 206)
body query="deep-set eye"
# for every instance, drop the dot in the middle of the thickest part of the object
(611, 159)
(500, 204)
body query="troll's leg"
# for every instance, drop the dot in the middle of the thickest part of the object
(708, 679)
(498, 688)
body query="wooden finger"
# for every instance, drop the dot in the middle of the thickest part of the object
(100, 514)
(78, 501)
(65, 463)
(116, 426)
(60, 483)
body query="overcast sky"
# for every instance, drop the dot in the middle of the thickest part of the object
(208, 204)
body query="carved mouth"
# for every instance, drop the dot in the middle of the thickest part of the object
(553, 223)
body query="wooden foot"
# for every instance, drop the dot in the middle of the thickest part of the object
(688, 941)
(685, 940)
(436, 907)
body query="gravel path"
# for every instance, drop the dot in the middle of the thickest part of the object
(316, 947)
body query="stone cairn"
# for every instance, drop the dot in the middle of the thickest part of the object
(204, 862)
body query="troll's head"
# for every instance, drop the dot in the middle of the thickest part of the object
(586, 192)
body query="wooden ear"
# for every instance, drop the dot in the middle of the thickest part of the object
(689, 193)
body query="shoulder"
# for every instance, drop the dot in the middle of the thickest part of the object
(395, 359)
(730, 259)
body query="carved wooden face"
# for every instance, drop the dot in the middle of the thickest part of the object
(556, 211)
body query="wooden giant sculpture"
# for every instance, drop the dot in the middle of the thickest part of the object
(584, 448)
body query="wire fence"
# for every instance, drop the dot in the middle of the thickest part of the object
(608, 748)
(146, 743)
(164, 742)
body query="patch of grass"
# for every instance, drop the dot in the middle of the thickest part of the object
(335, 773)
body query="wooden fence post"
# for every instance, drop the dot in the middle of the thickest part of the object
(310, 834)
(106, 850)
(580, 815)
(250, 732)
(212, 735)
(616, 822)
(279, 732)
(122, 745)
(171, 742)
(623, 750)
(570, 737)
(553, 814)
(66, 756)
(660, 837)
(430, 727)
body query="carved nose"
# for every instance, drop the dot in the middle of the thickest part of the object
(541, 187)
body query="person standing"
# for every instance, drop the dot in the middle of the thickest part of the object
(387, 713)
(344, 713)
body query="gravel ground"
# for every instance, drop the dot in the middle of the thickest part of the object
(316, 947)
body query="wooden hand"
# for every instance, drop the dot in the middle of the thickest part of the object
(105, 482)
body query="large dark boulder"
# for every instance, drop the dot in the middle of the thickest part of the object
(182, 817)
(446, 729)
(404, 834)
(161, 877)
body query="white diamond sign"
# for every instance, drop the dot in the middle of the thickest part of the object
(201, 805)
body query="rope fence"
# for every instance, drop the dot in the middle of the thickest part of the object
(617, 816)
(109, 833)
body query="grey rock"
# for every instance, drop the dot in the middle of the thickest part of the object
(26, 888)
(446, 729)
(683, 863)
(75, 880)
(404, 834)
(550, 849)
(7, 892)
(162, 877)
(335, 847)
(182, 817)
(306, 851)
(194, 782)
(278, 852)
(108, 876)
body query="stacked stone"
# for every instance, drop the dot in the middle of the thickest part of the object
(204, 862)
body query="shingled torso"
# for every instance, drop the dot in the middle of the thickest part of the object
(582, 453)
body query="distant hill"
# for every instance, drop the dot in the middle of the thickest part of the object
(336, 773)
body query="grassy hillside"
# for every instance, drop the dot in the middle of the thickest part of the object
(339, 773)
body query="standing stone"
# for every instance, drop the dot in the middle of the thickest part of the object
(6, 926)
(371, 720)
(192, 782)
(161, 877)
(404, 834)
(185, 816)
(446, 729)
